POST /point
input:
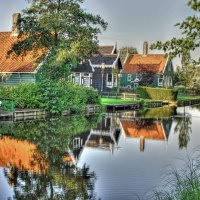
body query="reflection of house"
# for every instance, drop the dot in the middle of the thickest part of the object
(149, 129)
(147, 69)
(100, 71)
(104, 137)
(76, 147)
(21, 154)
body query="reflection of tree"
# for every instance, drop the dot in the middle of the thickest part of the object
(183, 128)
(147, 123)
(59, 181)
(67, 183)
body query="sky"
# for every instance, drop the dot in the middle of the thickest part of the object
(130, 22)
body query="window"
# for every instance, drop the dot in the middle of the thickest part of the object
(160, 80)
(76, 143)
(111, 80)
(114, 80)
(86, 80)
(77, 78)
(129, 77)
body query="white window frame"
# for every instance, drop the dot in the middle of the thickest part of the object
(84, 77)
(111, 84)
(129, 76)
(77, 76)
(76, 143)
(160, 80)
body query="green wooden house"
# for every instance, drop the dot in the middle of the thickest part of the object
(154, 70)
(14, 70)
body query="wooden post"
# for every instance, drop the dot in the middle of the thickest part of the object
(142, 143)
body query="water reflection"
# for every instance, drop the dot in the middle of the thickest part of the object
(79, 157)
(183, 128)
(33, 159)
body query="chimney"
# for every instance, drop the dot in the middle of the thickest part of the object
(145, 48)
(15, 25)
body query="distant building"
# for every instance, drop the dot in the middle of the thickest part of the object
(154, 70)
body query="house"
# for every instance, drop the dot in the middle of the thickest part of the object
(146, 129)
(155, 70)
(14, 70)
(100, 71)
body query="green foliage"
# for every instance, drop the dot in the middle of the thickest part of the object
(52, 96)
(60, 28)
(182, 183)
(159, 113)
(189, 41)
(157, 93)
(25, 95)
(126, 50)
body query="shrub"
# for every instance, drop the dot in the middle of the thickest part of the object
(52, 96)
(25, 95)
(157, 93)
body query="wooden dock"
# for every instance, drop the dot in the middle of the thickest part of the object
(128, 106)
(22, 115)
(32, 114)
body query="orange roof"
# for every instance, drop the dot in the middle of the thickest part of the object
(154, 131)
(104, 50)
(151, 62)
(21, 154)
(10, 64)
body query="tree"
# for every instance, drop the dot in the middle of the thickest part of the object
(59, 31)
(190, 39)
(146, 74)
(124, 51)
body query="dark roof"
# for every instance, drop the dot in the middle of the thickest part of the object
(106, 59)
(104, 50)
(84, 67)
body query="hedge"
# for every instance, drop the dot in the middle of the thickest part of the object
(52, 96)
(157, 93)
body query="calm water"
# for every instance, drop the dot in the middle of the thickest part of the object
(115, 156)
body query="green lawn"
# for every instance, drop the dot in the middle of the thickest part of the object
(185, 97)
(108, 101)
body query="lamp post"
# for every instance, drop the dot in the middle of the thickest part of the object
(102, 72)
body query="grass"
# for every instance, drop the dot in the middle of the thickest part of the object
(186, 97)
(108, 101)
(181, 184)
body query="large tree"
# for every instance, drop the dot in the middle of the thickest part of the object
(60, 28)
(190, 39)
(124, 51)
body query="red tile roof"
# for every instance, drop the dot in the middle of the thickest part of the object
(10, 64)
(132, 129)
(151, 62)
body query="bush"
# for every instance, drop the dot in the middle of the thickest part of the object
(52, 96)
(157, 93)
(25, 95)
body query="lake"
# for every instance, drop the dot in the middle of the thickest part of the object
(122, 155)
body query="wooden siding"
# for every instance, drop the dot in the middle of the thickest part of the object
(97, 79)
(17, 78)
(124, 80)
